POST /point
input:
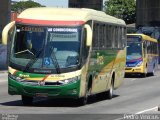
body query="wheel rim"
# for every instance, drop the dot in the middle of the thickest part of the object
(145, 71)
(111, 90)
(153, 71)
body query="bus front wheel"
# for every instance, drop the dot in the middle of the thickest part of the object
(26, 100)
(153, 71)
(84, 99)
(143, 75)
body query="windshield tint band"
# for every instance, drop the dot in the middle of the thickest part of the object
(48, 22)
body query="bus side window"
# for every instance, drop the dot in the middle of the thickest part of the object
(148, 47)
(95, 37)
(10, 34)
(85, 49)
(124, 39)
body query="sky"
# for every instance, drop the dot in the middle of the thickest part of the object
(51, 3)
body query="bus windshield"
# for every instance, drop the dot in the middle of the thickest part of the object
(46, 47)
(134, 50)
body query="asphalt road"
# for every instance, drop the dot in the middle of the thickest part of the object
(135, 96)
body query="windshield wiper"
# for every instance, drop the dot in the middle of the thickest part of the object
(54, 60)
(32, 61)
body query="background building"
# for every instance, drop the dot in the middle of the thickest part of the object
(148, 13)
(93, 4)
(148, 18)
(5, 9)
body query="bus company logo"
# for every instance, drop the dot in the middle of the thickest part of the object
(41, 83)
(100, 60)
(24, 76)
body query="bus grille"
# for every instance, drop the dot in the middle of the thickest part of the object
(128, 68)
(41, 83)
(35, 82)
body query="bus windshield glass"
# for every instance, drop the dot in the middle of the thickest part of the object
(134, 48)
(46, 47)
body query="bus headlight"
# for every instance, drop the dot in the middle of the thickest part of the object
(70, 80)
(139, 64)
(15, 77)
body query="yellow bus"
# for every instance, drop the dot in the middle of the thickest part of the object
(65, 53)
(142, 54)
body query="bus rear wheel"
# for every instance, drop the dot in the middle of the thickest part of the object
(109, 93)
(26, 100)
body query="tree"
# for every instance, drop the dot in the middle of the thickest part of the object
(22, 5)
(123, 9)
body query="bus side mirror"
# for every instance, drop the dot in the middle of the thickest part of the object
(89, 35)
(6, 31)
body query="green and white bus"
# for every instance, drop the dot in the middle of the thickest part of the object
(64, 53)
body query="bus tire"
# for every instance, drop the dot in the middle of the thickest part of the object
(153, 71)
(26, 100)
(143, 75)
(83, 100)
(109, 93)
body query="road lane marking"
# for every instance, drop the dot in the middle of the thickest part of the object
(3, 75)
(3, 81)
(133, 79)
(154, 108)
(126, 116)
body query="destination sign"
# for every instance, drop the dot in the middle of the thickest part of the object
(63, 37)
(135, 39)
(33, 29)
(62, 30)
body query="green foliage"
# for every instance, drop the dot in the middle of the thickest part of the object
(22, 5)
(123, 9)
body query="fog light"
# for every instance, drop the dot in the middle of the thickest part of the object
(13, 89)
(74, 91)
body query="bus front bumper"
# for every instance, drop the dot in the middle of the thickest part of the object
(64, 91)
(135, 70)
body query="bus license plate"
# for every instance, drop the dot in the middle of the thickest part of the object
(41, 94)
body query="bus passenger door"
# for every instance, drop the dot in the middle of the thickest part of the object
(145, 55)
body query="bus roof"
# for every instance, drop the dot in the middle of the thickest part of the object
(145, 37)
(80, 15)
